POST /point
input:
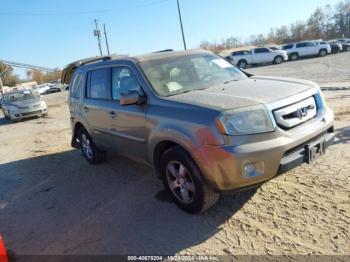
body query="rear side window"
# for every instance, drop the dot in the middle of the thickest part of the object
(299, 45)
(285, 47)
(76, 85)
(310, 44)
(99, 84)
(261, 50)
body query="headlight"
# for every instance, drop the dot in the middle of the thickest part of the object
(251, 120)
(13, 108)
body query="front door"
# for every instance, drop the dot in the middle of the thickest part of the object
(128, 123)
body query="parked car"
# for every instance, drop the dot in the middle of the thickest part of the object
(42, 89)
(305, 49)
(336, 47)
(260, 55)
(56, 88)
(345, 44)
(21, 104)
(205, 125)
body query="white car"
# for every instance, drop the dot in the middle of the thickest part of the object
(21, 104)
(260, 55)
(306, 48)
(43, 89)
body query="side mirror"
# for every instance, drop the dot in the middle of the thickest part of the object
(131, 98)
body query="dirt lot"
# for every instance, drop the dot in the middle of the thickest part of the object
(53, 202)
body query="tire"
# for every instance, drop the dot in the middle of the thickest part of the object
(322, 52)
(6, 116)
(184, 182)
(91, 152)
(294, 56)
(278, 60)
(242, 64)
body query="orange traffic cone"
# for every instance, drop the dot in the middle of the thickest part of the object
(3, 256)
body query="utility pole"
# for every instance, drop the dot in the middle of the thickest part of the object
(182, 29)
(105, 33)
(97, 33)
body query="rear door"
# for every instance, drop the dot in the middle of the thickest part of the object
(301, 49)
(261, 55)
(98, 105)
(311, 48)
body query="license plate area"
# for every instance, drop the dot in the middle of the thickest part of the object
(315, 150)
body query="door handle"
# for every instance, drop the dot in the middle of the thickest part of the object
(113, 114)
(86, 109)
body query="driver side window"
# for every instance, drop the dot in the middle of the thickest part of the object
(123, 81)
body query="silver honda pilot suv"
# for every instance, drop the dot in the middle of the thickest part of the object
(205, 125)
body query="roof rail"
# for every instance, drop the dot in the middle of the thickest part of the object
(165, 50)
(91, 60)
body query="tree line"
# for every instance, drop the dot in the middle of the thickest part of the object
(10, 79)
(324, 23)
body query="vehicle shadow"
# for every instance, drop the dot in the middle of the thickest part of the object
(59, 204)
(342, 135)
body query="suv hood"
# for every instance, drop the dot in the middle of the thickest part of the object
(248, 92)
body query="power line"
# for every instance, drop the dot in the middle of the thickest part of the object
(84, 12)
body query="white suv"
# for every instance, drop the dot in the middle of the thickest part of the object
(306, 48)
(260, 55)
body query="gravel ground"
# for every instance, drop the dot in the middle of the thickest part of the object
(331, 68)
(53, 202)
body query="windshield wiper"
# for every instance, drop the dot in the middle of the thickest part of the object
(229, 81)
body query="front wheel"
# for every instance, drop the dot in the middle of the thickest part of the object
(91, 152)
(242, 64)
(184, 183)
(322, 52)
(278, 60)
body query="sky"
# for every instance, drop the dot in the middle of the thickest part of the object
(54, 33)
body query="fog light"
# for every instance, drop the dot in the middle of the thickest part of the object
(253, 169)
(249, 169)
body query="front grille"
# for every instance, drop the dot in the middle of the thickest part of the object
(31, 113)
(295, 114)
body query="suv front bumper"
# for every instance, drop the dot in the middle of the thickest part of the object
(229, 168)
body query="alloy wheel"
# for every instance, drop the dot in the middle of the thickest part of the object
(180, 182)
(86, 145)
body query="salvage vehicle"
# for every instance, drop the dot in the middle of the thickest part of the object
(20, 104)
(306, 49)
(206, 126)
(260, 55)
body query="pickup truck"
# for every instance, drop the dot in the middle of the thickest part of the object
(306, 48)
(261, 55)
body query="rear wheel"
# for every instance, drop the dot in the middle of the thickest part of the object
(294, 56)
(184, 183)
(91, 152)
(242, 64)
(278, 60)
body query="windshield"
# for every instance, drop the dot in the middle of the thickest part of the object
(20, 96)
(176, 75)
